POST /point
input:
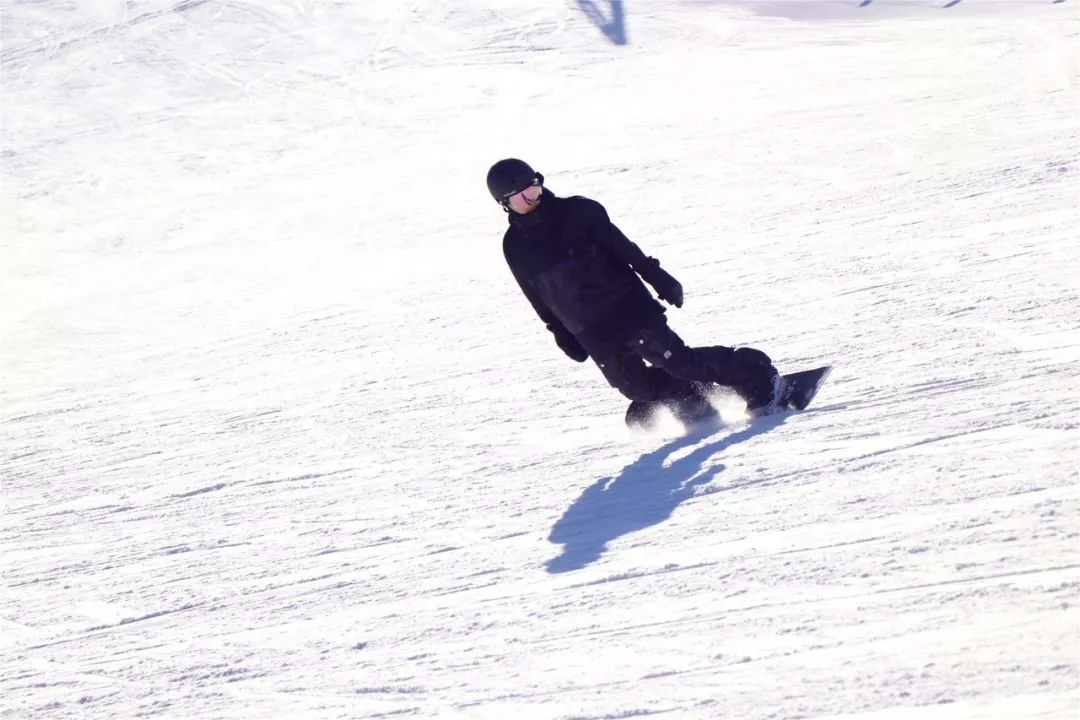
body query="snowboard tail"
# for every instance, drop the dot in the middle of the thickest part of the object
(797, 391)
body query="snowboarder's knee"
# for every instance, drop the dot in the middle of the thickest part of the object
(751, 359)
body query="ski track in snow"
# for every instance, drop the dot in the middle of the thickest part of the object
(280, 438)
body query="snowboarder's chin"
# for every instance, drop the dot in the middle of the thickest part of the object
(529, 206)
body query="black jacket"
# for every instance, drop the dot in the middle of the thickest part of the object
(581, 273)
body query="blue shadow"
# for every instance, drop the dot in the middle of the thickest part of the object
(615, 26)
(644, 494)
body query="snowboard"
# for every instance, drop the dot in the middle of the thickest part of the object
(797, 390)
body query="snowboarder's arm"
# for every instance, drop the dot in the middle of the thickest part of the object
(611, 237)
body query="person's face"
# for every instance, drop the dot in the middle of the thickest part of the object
(527, 200)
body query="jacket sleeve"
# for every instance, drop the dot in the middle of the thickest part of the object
(616, 243)
(624, 249)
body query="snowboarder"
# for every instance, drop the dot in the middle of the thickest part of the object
(583, 277)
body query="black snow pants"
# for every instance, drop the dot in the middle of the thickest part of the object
(674, 369)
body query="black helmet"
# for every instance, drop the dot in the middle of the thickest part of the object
(510, 176)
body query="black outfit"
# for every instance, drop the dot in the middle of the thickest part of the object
(580, 273)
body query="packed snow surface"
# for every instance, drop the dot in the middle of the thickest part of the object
(280, 437)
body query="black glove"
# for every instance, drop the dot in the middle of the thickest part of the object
(668, 288)
(569, 345)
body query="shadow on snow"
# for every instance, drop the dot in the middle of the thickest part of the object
(645, 493)
(614, 26)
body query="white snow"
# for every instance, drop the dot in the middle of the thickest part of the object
(281, 439)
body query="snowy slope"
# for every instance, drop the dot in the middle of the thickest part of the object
(280, 438)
